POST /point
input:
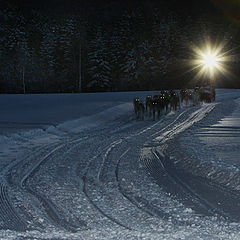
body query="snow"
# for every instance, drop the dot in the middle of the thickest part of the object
(41, 110)
(79, 166)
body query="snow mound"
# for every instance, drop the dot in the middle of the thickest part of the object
(104, 117)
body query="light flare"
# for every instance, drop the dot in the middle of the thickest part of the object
(210, 60)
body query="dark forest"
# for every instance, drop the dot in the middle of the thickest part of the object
(92, 46)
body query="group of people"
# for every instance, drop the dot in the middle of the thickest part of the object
(171, 100)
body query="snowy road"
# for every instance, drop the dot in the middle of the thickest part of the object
(108, 176)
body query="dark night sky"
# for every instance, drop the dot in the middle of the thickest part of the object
(73, 6)
(229, 9)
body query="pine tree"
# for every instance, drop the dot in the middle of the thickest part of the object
(99, 66)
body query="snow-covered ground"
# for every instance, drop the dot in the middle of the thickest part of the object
(79, 166)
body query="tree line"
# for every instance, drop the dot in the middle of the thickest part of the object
(136, 51)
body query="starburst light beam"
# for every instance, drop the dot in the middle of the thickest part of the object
(210, 60)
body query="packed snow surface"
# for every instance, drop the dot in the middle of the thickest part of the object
(80, 166)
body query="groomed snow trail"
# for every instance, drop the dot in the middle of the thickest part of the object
(123, 179)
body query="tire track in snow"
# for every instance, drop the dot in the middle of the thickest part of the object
(169, 170)
(48, 205)
(193, 118)
(148, 208)
(173, 176)
(8, 215)
(227, 204)
(30, 165)
(85, 191)
(105, 152)
(137, 202)
(12, 219)
(34, 168)
(144, 206)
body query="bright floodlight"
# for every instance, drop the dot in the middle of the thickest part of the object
(210, 60)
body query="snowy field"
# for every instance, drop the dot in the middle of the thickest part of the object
(80, 166)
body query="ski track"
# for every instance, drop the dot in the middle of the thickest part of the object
(183, 179)
(7, 213)
(103, 167)
(99, 174)
(49, 207)
(174, 177)
(85, 191)
(154, 168)
(196, 116)
(148, 208)
(29, 165)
